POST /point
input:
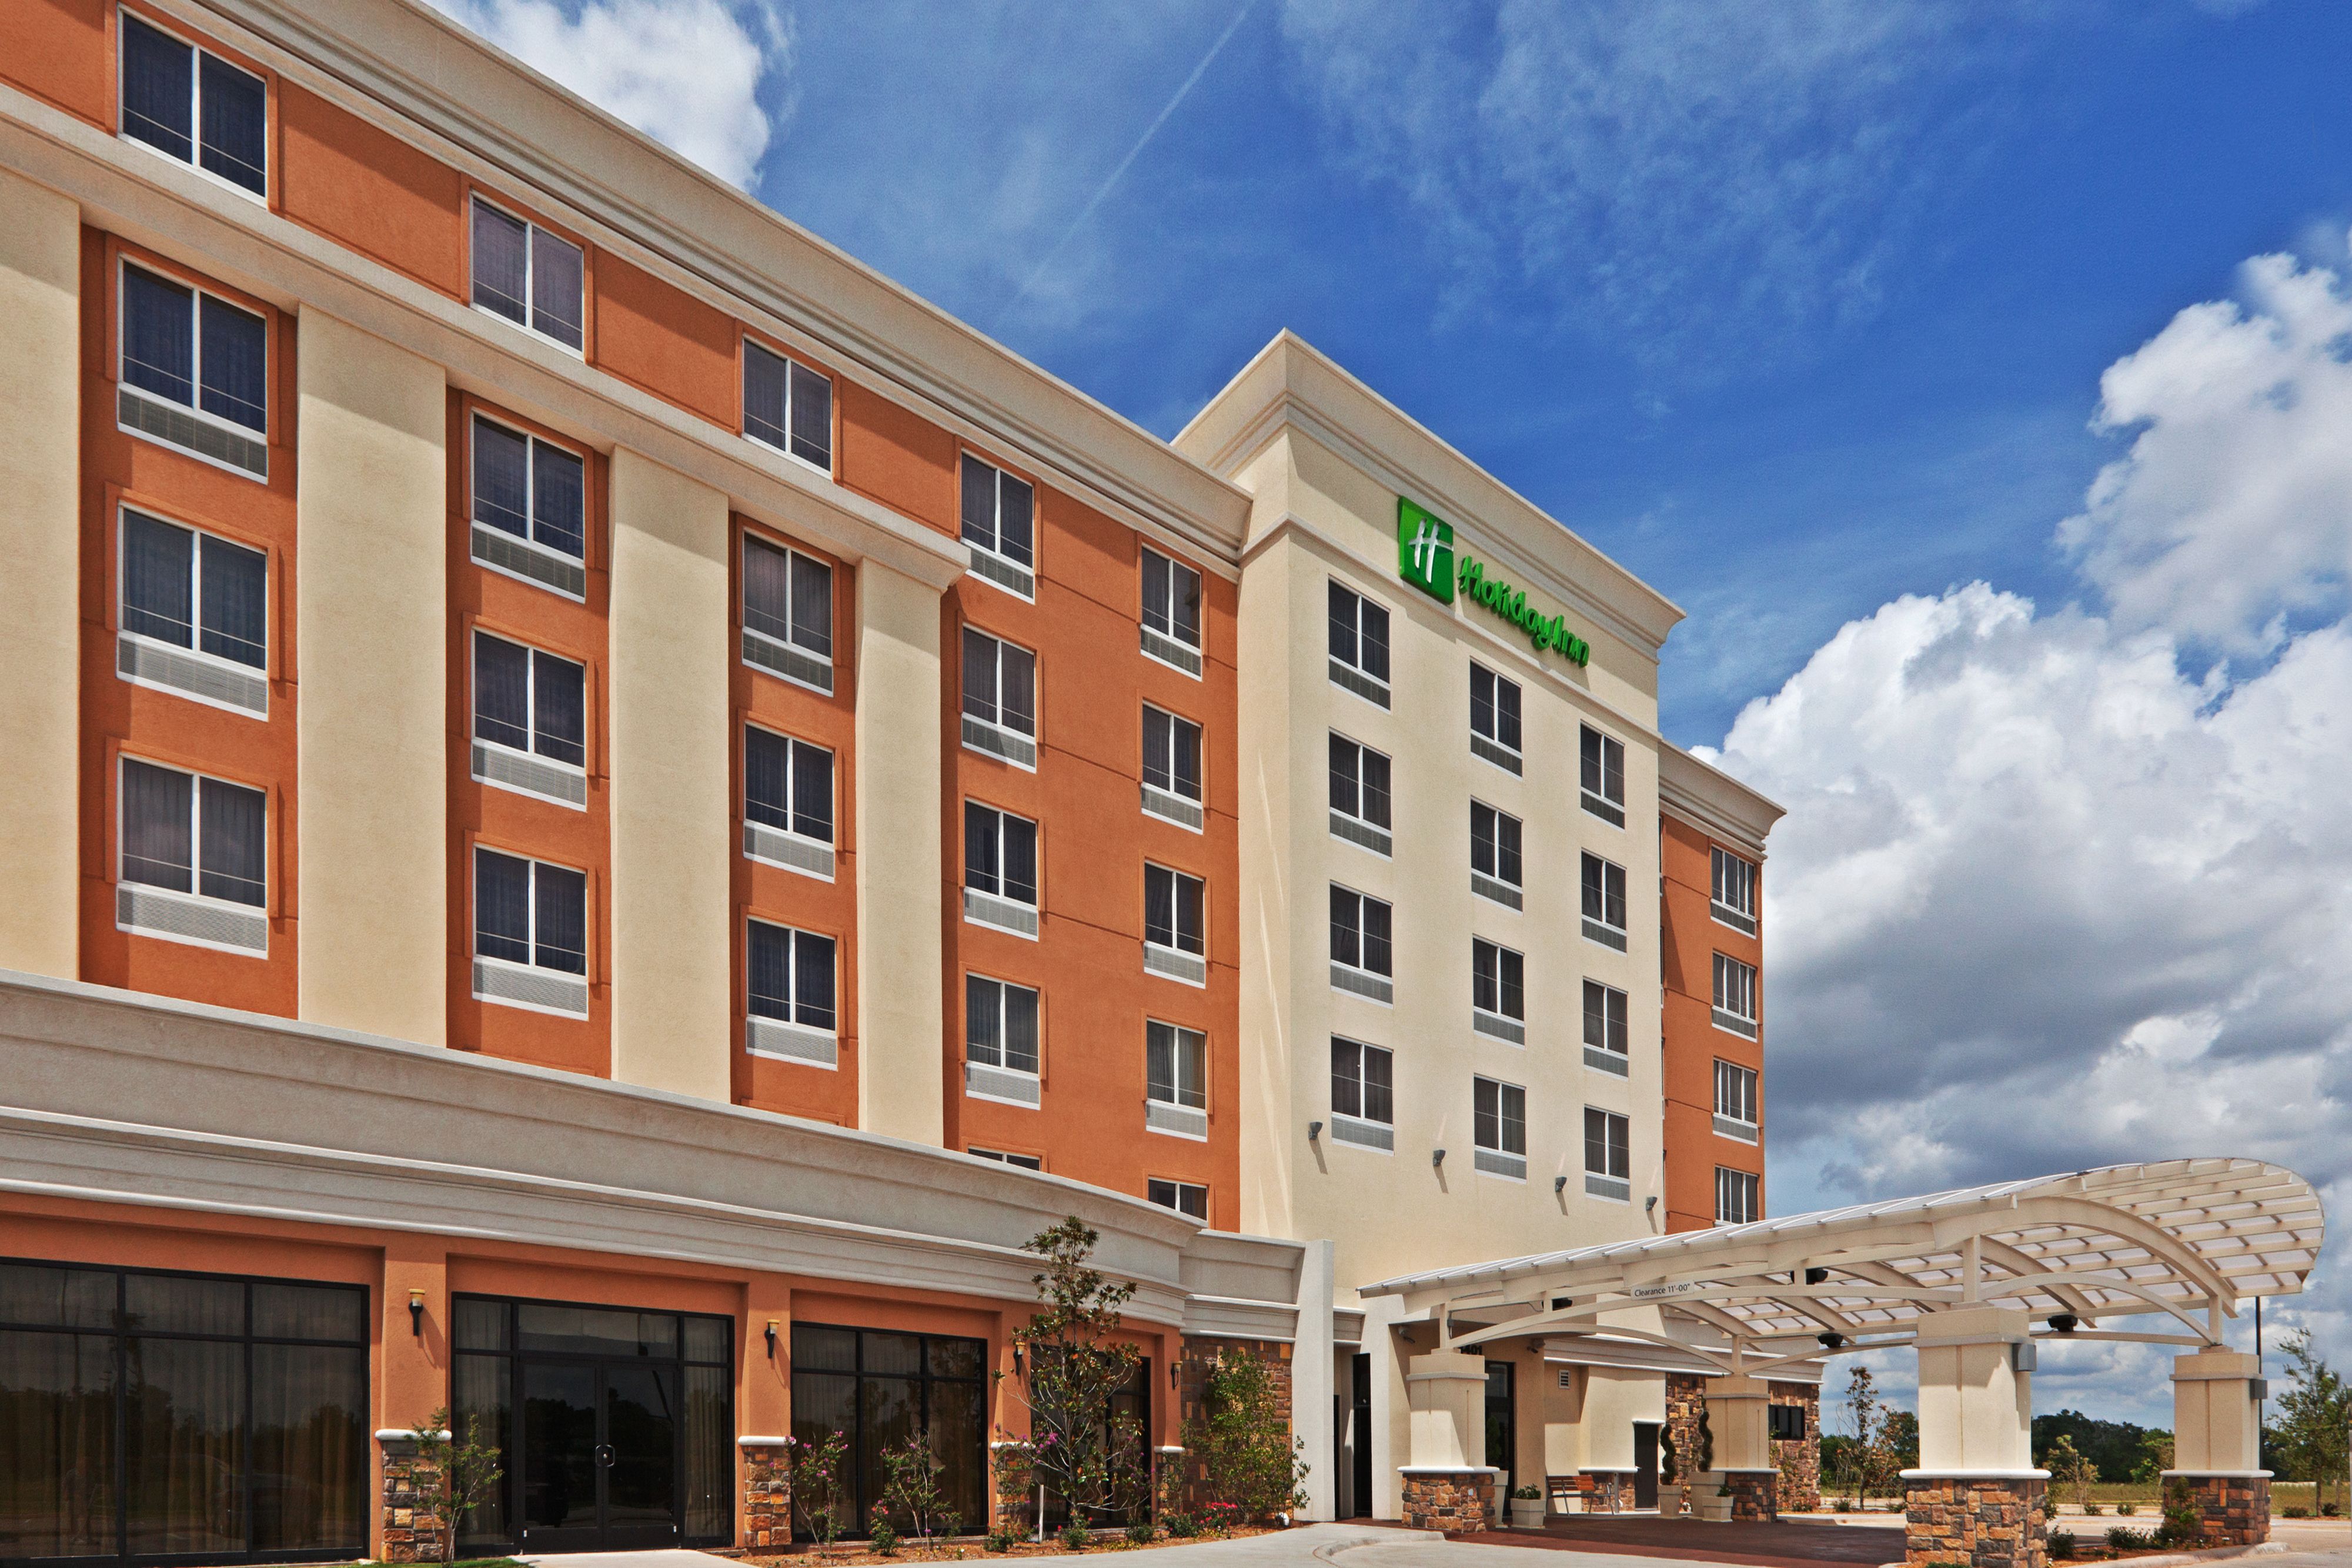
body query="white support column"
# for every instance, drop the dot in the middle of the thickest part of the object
(1738, 1414)
(1313, 1383)
(1447, 1389)
(2217, 1445)
(1975, 1496)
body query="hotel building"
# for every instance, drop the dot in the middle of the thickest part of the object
(605, 812)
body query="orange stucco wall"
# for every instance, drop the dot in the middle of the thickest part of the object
(371, 191)
(61, 50)
(668, 342)
(1689, 938)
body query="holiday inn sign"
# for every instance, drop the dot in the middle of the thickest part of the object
(1425, 558)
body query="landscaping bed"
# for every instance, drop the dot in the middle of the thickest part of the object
(969, 1548)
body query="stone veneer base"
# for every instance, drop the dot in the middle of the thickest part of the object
(412, 1503)
(1754, 1494)
(767, 1497)
(1608, 1491)
(2231, 1510)
(1984, 1522)
(1458, 1502)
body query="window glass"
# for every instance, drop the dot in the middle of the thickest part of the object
(1493, 707)
(1735, 883)
(176, 1303)
(996, 511)
(159, 84)
(1495, 843)
(157, 826)
(53, 1297)
(812, 980)
(158, 579)
(232, 845)
(1000, 1024)
(1605, 1025)
(1000, 853)
(556, 266)
(1359, 632)
(558, 502)
(233, 357)
(501, 478)
(560, 918)
(1171, 753)
(1498, 980)
(527, 274)
(1604, 891)
(1184, 1196)
(1175, 1065)
(235, 119)
(1359, 782)
(1171, 598)
(877, 1389)
(1360, 931)
(1607, 1149)
(235, 603)
(559, 708)
(159, 335)
(1499, 1116)
(1359, 1082)
(999, 683)
(788, 406)
(791, 975)
(788, 596)
(501, 907)
(1735, 986)
(1735, 1091)
(1602, 766)
(1171, 909)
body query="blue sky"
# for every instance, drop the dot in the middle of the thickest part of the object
(1973, 371)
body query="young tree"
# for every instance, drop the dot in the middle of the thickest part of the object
(1860, 1456)
(2071, 1470)
(812, 1471)
(2314, 1417)
(912, 1473)
(1242, 1439)
(466, 1468)
(1072, 1370)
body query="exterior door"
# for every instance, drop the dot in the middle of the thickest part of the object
(1645, 1464)
(1360, 1426)
(598, 1448)
(1502, 1418)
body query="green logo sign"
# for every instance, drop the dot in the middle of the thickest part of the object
(1426, 550)
(1426, 559)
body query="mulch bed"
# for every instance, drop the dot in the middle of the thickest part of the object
(974, 1548)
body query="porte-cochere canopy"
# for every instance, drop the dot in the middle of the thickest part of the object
(2186, 1239)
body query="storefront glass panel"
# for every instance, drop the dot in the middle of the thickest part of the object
(879, 1390)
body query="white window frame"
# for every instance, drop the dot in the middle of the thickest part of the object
(196, 109)
(194, 649)
(1728, 1181)
(1362, 1115)
(1036, 905)
(753, 346)
(1386, 978)
(531, 687)
(1622, 929)
(1737, 1093)
(1735, 985)
(1515, 757)
(1143, 613)
(996, 527)
(1385, 833)
(530, 507)
(530, 271)
(1504, 1090)
(1036, 697)
(1018, 1162)
(792, 559)
(194, 408)
(1514, 887)
(1001, 1064)
(1610, 808)
(811, 1032)
(264, 910)
(1498, 1022)
(1740, 917)
(792, 785)
(1178, 1190)
(1612, 1149)
(1619, 1063)
(586, 973)
(1385, 683)
(1200, 760)
(1179, 1086)
(1176, 887)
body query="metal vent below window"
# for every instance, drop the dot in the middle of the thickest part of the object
(1735, 1023)
(1362, 983)
(980, 736)
(1174, 808)
(1502, 892)
(1181, 1119)
(764, 652)
(1349, 678)
(763, 842)
(493, 546)
(1607, 936)
(532, 775)
(1501, 756)
(1004, 574)
(1364, 1134)
(1617, 1187)
(157, 912)
(1602, 1060)
(548, 989)
(1493, 1162)
(996, 1083)
(1003, 913)
(168, 421)
(1498, 1027)
(1189, 968)
(1611, 814)
(1733, 918)
(794, 1042)
(1170, 652)
(248, 691)
(1360, 833)
(1732, 1127)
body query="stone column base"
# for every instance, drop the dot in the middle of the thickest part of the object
(1755, 1494)
(2231, 1509)
(1608, 1491)
(1985, 1521)
(767, 1495)
(411, 1502)
(1458, 1502)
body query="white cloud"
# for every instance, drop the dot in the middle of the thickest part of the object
(2044, 897)
(688, 73)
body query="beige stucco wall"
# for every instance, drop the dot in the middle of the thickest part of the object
(670, 781)
(902, 1091)
(371, 508)
(1267, 698)
(40, 538)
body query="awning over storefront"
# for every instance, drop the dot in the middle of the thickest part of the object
(2188, 1239)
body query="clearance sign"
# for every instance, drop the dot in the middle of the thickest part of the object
(1426, 559)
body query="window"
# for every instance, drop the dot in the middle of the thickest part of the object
(1785, 1423)
(1026, 1162)
(1733, 901)
(1000, 698)
(791, 979)
(530, 932)
(1360, 646)
(787, 801)
(527, 274)
(1175, 1080)
(1495, 871)
(190, 104)
(1171, 612)
(1495, 717)
(999, 517)
(1735, 995)
(195, 591)
(1183, 1196)
(1359, 944)
(206, 1417)
(788, 614)
(999, 1025)
(1499, 1127)
(1171, 768)
(1359, 795)
(1497, 991)
(1608, 1156)
(1603, 767)
(195, 371)
(1608, 1039)
(878, 1388)
(1604, 902)
(788, 406)
(530, 509)
(1000, 868)
(1736, 1198)
(1735, 1102)
(1173, 944)
(195, 857)
(530, 720)
(1361, 1078)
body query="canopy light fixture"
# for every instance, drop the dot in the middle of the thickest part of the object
(2064, 1323)
(1831, 1341)
(1815, 1276)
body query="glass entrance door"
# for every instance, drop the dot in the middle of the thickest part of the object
(599, 1447)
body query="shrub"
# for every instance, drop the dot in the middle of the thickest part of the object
(1140, 1533)
(1181, 1526)
(1526, 1494)
(2120, 1539)
(885, 1540)
(2127, 1509)
(2296, 1511)
(2062, 1543)
(2093, 1507)
(2330, 1509)
(1243, 1440)
(1000, 1541)
(1074, 1536)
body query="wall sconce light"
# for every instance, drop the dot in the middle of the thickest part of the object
(1016, 1360)
(1313, 1131)
(1172, 1381)
(1559, 1185)
(1650, 1203)
(1436, 1159)
(771, 1339)
(416, 1313)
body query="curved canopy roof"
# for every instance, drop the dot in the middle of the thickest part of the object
(2177, 1236)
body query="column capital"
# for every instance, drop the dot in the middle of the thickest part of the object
(1974, 1325)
